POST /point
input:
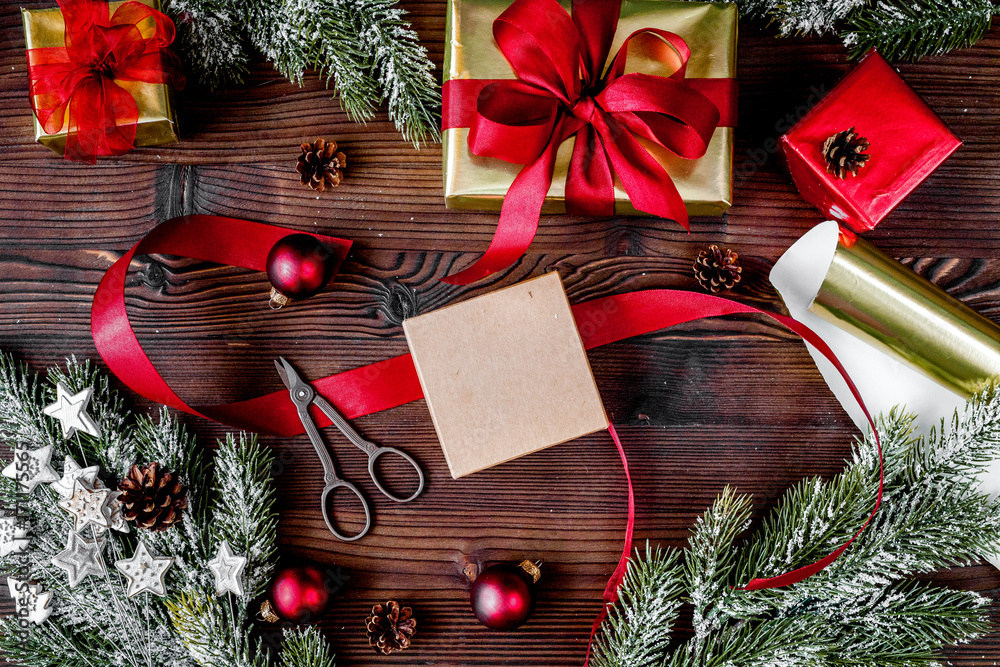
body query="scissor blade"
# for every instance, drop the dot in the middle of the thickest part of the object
(285, 372)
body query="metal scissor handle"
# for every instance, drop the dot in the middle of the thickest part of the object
(379, 451)
(372, 450)
(330, 488)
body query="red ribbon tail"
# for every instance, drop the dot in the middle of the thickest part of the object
(611, 591)
(518, 220)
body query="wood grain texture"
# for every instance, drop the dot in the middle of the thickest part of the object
(727, 401)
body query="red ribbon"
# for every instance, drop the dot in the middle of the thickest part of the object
(393, 382)
(560, 92)
(74, 86)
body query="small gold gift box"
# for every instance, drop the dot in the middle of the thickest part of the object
(45, 28)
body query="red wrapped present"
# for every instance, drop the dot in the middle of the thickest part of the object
(906, 142)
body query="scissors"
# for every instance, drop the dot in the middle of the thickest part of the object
(303, 394)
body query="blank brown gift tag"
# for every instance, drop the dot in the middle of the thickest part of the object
(505, 374)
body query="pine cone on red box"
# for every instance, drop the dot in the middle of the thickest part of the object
(845, 152)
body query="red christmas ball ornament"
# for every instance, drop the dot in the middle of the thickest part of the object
(503, 595)
(299, 266)
(299, 593)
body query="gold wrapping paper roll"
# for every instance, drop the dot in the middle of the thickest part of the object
(45, 28)
(706, 184)
(884, 303)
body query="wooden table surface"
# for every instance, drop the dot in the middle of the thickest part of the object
(729, 401)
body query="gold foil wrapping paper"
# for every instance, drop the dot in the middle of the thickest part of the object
(44, 28)
(476, 183)
(889, 306)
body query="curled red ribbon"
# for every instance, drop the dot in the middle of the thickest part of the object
(561, 91)
(393, 382)
(74, 86)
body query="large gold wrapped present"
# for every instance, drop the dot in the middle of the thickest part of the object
(706, 184)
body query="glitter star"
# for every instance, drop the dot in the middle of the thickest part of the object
(31, 467)
(228, 570)
(71, 411)
(72, 472)
(13, 536)
(88, 506)
(80, 559)
(29, 601)
(144, 572)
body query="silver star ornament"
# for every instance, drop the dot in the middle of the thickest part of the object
(80, 559)
(30, 602)
(71, 411)
(144, 572)
(13, 536)
(228, 570)
(72, 472)
(31, 467)
(88, 506)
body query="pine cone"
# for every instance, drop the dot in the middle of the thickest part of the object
(845, 152)
(390, 627)
(320, 165)
(716, 270)
(152, 497)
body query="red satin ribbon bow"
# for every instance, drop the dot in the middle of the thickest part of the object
(561, 91)
(75, 86)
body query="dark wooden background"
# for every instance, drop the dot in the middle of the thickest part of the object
(701, 406)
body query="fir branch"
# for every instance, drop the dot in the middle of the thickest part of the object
(912, 29)
(365, 49)
(211, 37)
(709, 560)
(404, 71)
(305, 647)
(212, 631)
(245, 515)
(637, 630)
(812, 17)
(861, 610)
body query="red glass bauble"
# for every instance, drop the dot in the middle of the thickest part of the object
(299, 593)
(299, 266)
(503, 595)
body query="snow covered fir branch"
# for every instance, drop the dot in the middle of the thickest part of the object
(899, 29)
(366, 51)
(864, 609)
(91, 621)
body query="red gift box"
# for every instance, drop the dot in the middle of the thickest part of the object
(908, 142)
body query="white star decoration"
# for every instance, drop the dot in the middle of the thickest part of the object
(113, 511)
(71, 411)
(144, 572)
(13, 536)
(31, 467)
(72, 472)
(29, 601)
(88, 506)
(80, 559)
(228, 570)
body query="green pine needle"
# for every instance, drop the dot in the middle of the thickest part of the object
(912, 29)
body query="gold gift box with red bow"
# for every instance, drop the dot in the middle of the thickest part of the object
(157, 124)
(472, 182)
